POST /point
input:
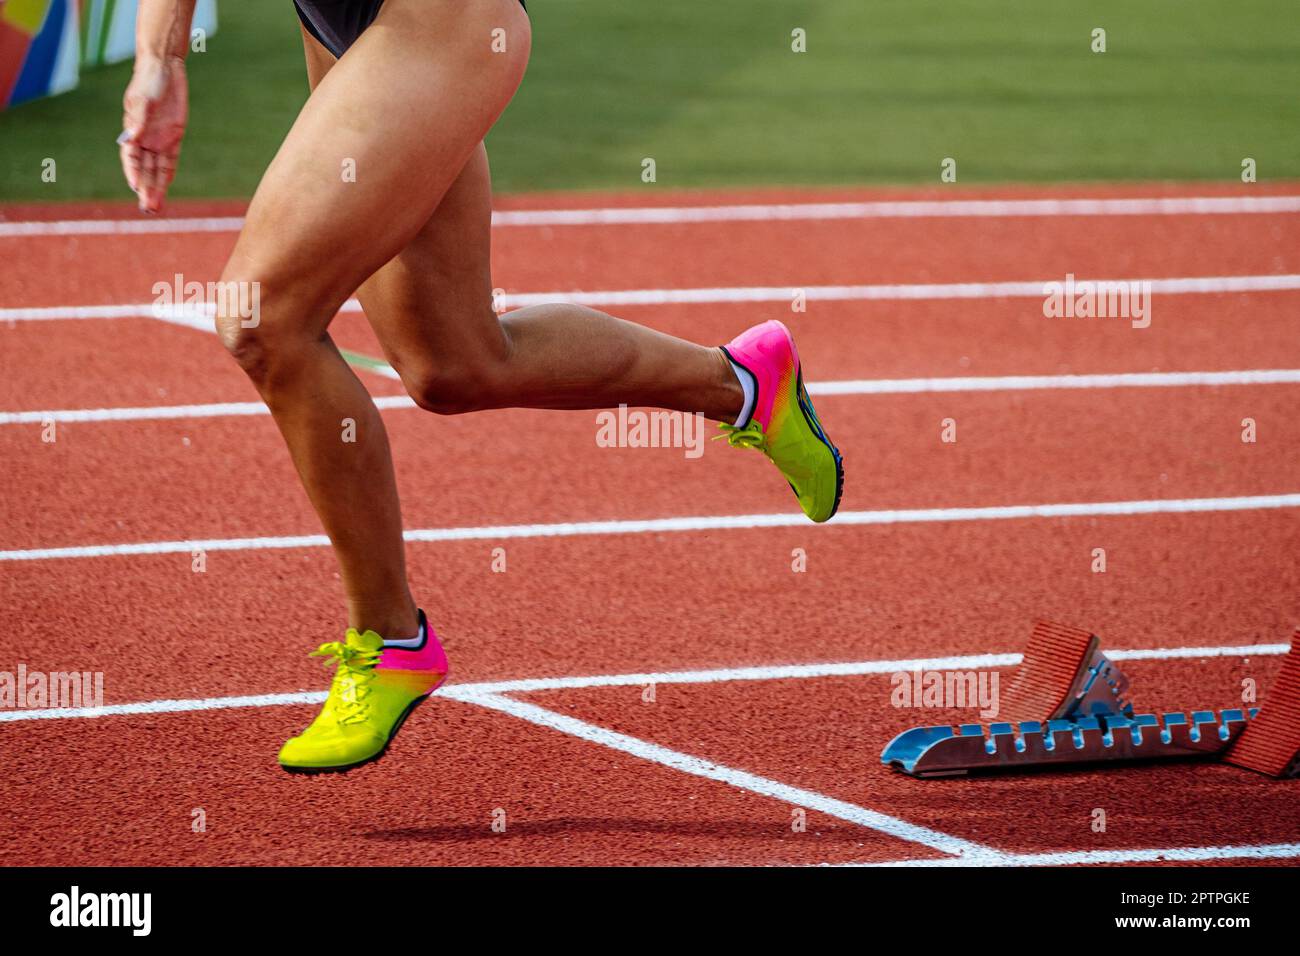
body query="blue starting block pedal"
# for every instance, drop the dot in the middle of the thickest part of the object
(951, 751)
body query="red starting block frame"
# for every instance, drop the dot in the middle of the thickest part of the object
(1272, 745)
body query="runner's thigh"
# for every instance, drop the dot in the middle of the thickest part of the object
(384, 135)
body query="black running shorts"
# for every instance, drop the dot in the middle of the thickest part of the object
(338, 23)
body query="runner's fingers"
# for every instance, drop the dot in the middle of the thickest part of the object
(130, 155)
(148, 180)
(154, 196)
(161, 171)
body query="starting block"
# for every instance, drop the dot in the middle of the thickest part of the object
(1068, 704)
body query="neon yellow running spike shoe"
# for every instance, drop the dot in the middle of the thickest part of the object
(782, 424)
(376, 685)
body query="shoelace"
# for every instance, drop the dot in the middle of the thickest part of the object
(751, 436)
(355, 670)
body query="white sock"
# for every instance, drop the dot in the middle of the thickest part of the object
(409, 643)
(750, 387)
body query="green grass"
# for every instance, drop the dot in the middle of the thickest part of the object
(713, 93)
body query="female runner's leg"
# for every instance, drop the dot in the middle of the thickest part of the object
(406, 109)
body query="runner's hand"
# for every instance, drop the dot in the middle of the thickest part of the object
(154, 112)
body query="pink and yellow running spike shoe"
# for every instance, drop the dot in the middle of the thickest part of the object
(783, 425)
(377, 683)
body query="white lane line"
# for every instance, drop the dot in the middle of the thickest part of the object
(684, 524)
(745, 212)
(151, 412)
(740, 779)
(848, 669)
(1013, 383)
(163, 707)
(1035, 289)
(1193, 285)
(1175, 653)
(57, 312)
(119, 227)
(135, 413)
(1185, 854)
(727, 674)
(904, 209)
(714, 676)
(190, 316)
(888, 386)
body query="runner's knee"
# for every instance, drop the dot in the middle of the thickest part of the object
(261, 343)
(453, 389)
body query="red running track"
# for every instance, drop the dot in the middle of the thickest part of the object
(124, 789)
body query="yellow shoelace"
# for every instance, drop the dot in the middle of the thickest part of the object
(351, 686)
(751, 436)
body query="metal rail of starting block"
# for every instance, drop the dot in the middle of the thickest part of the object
(1099, 738)
(1100, 688)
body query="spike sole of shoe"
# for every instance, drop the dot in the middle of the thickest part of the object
(814, 424)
